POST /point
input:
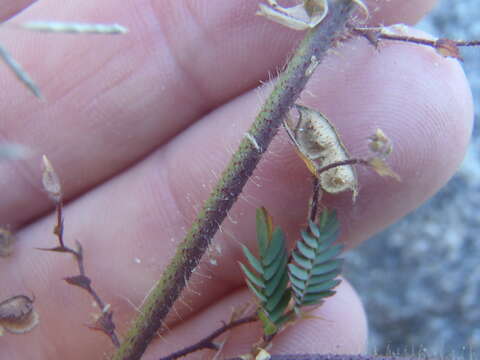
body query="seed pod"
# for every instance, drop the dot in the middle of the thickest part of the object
(319, 146)
(50, 180)
(303, 16)
(17, 315)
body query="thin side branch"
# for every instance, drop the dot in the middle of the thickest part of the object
(446, 47)
(207, 342)
(287, 89)
(104, 321)
(340, 357)
(381, 35)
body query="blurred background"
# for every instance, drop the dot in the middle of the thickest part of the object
(422, 292)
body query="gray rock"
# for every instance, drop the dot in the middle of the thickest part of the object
(422, 288)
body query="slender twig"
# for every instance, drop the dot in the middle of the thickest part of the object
(207, 342)
(341, 357)
(380, 34)
(446, 47)
(343, 163)
(104, 322)
(314, 200)
(288, 87)
(317, 189)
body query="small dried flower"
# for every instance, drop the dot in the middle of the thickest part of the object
(448, 48)
(380, 143)
(50, 180)
(382, 147)
(381, 168)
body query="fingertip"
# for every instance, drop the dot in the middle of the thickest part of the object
(420, 99)
(339, 326)
(387, 12)
(12, 7)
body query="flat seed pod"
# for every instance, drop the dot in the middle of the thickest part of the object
(303, 16)
(17, 315)
(319, 145)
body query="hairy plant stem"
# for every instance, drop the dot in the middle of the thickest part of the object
(288, 87)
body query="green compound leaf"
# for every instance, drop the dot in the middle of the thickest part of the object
(315, 267)
(268, 277)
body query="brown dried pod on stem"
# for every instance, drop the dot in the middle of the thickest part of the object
(17, 315)
(319, 145)
(104, 321)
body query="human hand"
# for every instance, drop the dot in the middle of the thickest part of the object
(139, 127)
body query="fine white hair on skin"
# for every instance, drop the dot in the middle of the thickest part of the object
(19, 72)
(74, 27)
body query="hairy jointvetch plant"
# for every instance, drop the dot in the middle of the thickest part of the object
(312, 271)
(269, 282)
(288, 87)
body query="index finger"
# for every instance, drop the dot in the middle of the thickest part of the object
(113, 101)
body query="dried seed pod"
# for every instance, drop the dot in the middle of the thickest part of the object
(381, 168)
(50, 180)
(17, 315)
(303, 16)
(319, 145)
(6, 242)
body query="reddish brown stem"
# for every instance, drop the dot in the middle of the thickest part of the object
(105, 322)
(207, 342)
(341, 357)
